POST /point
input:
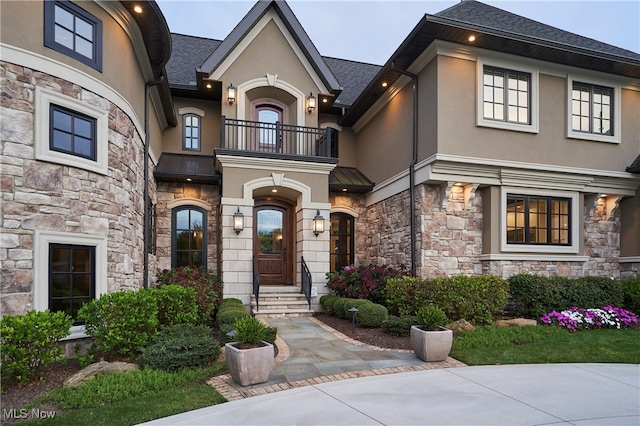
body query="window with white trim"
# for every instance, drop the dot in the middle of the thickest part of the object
(74, 32)
(507, 95)
(594, 110)
(539, 221)
(71, 132)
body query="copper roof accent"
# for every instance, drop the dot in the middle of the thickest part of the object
(180, 167)
(349, 179)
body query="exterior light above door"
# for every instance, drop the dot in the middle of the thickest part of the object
(231, 94)
(238, 221)
(318, 224)
(311, 102)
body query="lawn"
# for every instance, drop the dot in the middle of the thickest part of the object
(541, 345)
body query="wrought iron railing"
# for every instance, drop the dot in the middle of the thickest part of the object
(276, 138)
(256, 283)
(305, 280)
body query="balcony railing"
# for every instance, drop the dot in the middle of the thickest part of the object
(277, 138)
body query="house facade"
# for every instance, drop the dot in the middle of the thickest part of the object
(487, 143)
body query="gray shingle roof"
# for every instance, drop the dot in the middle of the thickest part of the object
(635, 166)
(190, 52)
(484, 15)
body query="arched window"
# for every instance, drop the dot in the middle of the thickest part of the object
(189, 237)
(191, 132)
(342, 240)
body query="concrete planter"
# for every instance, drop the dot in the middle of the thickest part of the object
(249, 366)
(431, 345)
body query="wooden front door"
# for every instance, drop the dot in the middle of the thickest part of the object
(273, 242)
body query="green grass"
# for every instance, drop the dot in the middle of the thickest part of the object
(133, 397)
(541, 345)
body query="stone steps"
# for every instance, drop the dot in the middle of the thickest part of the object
(280, 302)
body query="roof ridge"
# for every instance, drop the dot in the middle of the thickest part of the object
(351, 60)
(195, 36)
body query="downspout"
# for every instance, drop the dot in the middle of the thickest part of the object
(412, 166)
(146, 236)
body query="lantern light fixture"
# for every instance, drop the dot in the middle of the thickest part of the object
(231, 94)
(238, 221)
(318, 224)
(311, 102)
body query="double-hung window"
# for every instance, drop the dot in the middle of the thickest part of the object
(592, 109)
(540, 220)
(189, 237)
(342, 240)
(72, 133)
(74, 32)
(506, 95)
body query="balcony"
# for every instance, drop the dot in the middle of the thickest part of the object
(277, 140)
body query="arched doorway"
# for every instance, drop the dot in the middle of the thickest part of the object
(273, 241)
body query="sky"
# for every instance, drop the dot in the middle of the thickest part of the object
(371, 30)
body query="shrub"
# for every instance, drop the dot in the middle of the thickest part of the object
(249, 331)
(631, 294)
(176, 305)
(121, 322)
(399, 326)
(371, 315)
(405, 295)
(535, 295)
(329, 303)
(475, 298)
(430, 317)
(29, 342)
(338, 307)
(181, 346)
(207, 286)
(353, 303)
(229, 315)
(363, 282)
(270, 334)
(230, 301)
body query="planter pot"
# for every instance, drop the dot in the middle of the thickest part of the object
(431, 345)
(249, 366)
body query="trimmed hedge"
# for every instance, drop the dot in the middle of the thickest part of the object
(176, 304)
(631, 298)
(371, 315)
(229, 315)
(535, 295)
(354, 303)
(474, 298)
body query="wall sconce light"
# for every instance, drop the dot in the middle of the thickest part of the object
(238, 221)
(318, 224)
(231, 94)
(311, 102)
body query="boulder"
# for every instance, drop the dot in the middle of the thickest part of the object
(461, 324)
(515, 322)
(98, 368)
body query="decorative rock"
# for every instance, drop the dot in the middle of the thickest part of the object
(459, 325)
(515, 322)
(98, 368)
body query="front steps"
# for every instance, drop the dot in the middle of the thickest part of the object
(281, 302)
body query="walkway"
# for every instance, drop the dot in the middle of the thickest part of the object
(324, 378)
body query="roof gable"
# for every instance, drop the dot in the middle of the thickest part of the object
(246, 30)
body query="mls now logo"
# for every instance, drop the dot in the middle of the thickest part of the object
(23, 413)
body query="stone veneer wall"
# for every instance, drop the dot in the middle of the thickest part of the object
(168, 192)
(451, 234)
(44, 196)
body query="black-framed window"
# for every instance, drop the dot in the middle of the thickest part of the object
(592, 109)
(191, 132)
(72, 277)
(72, 133)
(341, 240)
(189, 237)
(538, 220)
(74, 32)
(506, 95)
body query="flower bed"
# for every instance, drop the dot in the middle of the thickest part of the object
(580, 318)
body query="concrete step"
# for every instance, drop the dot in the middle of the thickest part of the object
(279, 289)
(283, 313)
